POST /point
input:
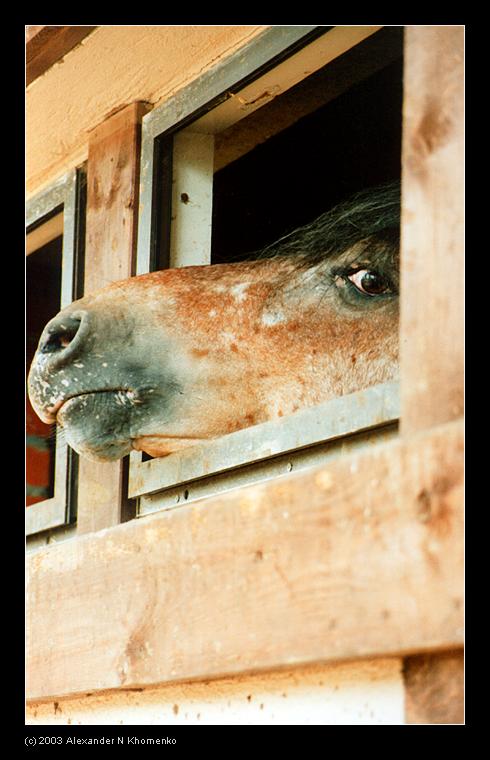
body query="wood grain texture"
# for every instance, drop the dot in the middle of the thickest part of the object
(432, 260)
(358, 558)
(31, 31)
(112, 197)
(45, 45)
(432, 290)
(111, 228)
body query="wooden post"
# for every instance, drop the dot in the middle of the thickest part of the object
(434, 687)
(112, 194)
(432, 293)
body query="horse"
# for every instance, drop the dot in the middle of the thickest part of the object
(161, 361)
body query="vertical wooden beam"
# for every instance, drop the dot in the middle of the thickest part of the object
(112, 200)
(432, 228)
(432, 306)
(434, 688)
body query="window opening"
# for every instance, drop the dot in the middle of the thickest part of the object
(347, 145)
(43, 298)
(55, 220)
(237, 183)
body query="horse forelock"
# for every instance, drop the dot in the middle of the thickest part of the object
(371, 219)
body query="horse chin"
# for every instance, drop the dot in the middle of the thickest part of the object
(96, 427)
(97, 451)
(99, 427)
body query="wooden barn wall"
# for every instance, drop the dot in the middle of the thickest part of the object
(64, 113)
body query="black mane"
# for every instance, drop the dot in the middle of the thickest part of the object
(369, 219)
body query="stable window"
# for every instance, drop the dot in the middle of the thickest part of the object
(262, 145)
(54, 275)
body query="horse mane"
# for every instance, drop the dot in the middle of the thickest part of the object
(369, 219)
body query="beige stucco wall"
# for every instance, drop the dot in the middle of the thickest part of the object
(91, 81)
(360, 693)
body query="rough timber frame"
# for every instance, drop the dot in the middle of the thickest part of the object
(362, 556)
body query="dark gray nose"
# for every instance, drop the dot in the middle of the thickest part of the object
(64, 336)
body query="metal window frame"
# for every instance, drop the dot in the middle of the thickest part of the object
(66, 195)
(302, 437)
(205, 93)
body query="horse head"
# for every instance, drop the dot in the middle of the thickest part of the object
(162, 360)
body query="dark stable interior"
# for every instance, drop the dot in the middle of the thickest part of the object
(348, 144)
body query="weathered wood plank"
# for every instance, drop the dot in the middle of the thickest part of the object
(31, 31)
(432, 261)
(47, 44)
(432, 275)
(434, 688)
(357, 558)
(112, 197)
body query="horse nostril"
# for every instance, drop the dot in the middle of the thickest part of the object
(60, 335)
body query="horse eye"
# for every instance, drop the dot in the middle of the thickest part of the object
(369, 282)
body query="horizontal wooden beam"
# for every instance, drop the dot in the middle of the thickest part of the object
(32, 30)
(47, 44)
(360, 557)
